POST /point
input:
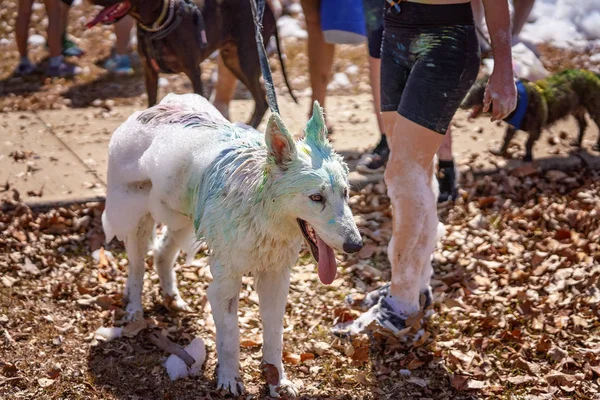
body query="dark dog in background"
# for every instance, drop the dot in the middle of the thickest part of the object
(569, 92)
(177, 35)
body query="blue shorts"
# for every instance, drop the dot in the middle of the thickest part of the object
(429, 60)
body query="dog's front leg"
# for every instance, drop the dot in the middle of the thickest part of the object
(508, 136)
(534, 135)
(151, 79)
(272, 288)
(195, 75)
(223, 294)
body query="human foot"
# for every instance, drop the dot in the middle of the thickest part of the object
(376, 160)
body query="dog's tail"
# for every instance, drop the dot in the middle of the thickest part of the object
(283, 71)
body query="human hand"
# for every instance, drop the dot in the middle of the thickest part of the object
(500, 94)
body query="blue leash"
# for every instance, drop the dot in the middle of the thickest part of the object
(522, 101)
(258, 11)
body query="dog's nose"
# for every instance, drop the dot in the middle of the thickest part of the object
(352, 247)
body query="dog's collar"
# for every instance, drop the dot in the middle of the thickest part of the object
(522, 101)
(166, 15)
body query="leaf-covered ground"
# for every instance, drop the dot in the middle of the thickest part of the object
(516, 290)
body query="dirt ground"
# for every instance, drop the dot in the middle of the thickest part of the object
(516, 284)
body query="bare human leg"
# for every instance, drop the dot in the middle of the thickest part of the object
(21, 33)
(224, 89)
(320, 53)
(54, 31)
(375, 75)
(408, 178)
(123, 33)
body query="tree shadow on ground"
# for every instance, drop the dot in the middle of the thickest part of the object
(16, 85)
(107, 86)
(24, 85)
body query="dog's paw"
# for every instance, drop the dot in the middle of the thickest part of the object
(176, 303)
(230, 383)
(133, 312)
(285, 387)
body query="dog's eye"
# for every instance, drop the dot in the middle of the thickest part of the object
(345, 192)
(316, 197)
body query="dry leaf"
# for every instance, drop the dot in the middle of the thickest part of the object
(30, 267)
(105, 302)
(270, 373)
(133, 328)
(102, 279)
(560, 379)
(520, 379)
(473, 384)
(321, 347)
(367, 251)
(45, 382)
(306, 356)
(344, 314)
(54, 373)
(9, 369)
(360, 355)
(417, 381)
(291, 358)
(562, 234)
(459, 382)
(250, 343)
(102, 259)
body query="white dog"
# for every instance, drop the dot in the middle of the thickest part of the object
(251, 197)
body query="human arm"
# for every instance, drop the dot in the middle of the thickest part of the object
(500, 93)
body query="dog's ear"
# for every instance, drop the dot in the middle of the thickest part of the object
(280, 144)
(316, 130)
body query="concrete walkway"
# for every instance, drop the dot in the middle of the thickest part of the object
(62, 154)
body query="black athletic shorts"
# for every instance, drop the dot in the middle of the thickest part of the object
(68, 2)
(429, 60)
(373, 10)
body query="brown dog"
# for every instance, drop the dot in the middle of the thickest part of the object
(177, 35)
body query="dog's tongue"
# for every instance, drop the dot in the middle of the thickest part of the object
(327, 262)
(101, 15)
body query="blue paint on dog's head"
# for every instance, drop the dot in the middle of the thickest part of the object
(316, 133)
(331, 179)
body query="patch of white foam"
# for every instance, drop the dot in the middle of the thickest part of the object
(339, 81)
(290, 27)
(564, 23)
(108, 334)
(176, 367)
(526, 64)
(163, 82)
(96, 255)
(353, 69)
(36, 40)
